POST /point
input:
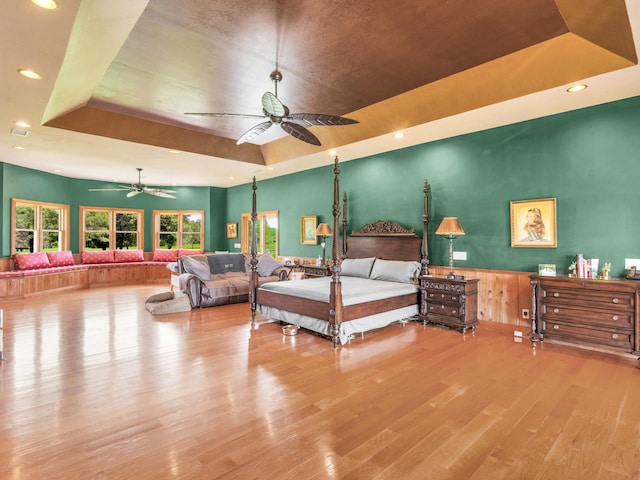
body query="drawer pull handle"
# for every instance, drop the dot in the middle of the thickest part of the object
(556, 294)
(614, 336)
(615, 300)
(454, 298)
(556, 310)
(454, 312)
(615, 317)
(442, 295)
(556, 327)
(431, 295)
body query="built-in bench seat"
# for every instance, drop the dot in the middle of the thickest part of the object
(148, 268)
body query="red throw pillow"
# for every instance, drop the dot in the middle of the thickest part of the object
(183, 252)
(165, 255)
(29, 261)
(129, 256)
(97, 256)
(60, 259)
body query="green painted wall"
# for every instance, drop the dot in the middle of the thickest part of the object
(588, 160)
(27, 184)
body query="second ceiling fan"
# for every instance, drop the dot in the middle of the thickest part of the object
(276, 113)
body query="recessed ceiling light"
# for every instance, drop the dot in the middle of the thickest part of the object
(332, 152)
(18, 147)
(25, 72)
(398, 135)
(22, 124)
(57, 170)
(576, 88)
(48, 4)
(174, 151)
(269, 168)
(232, 178)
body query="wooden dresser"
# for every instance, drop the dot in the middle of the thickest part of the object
(449, 302)
(601, 313)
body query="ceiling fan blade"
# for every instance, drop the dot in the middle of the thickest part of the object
(225, 115)
(254, 132)
(311, 119)
(301, 133)
(158, 192)
(272, 105)
(108, 189)
(133, 193)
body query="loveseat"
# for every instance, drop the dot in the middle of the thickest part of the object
(214, 279)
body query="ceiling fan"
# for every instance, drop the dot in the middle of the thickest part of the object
(137, 188)
(277, 113)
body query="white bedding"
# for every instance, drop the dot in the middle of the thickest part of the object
(354, 290)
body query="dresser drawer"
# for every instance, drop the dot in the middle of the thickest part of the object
(591, 317)
(569, 332)
(442, 296)
(588, 298)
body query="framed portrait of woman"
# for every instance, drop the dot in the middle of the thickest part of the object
(533, 223)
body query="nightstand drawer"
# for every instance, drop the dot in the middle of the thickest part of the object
(440, 296)
(443, 309)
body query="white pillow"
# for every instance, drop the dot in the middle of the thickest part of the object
(395, 271)
(267, 264)
(197, 268)
(357, 267)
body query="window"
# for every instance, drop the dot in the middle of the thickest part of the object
(173, 229)
(39, 227)
(266, 232)
(111, 228)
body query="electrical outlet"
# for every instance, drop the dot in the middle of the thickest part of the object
(517, 333)
(236, 245)
(525, 313)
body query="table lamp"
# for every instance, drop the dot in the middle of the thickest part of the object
(324, 231)
(450, 228)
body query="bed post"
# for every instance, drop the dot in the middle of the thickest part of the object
(253, 262)
(335, 289)
(425, 224)
(344, 225)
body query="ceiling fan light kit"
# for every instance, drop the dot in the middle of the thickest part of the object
(276, 113)
(138, 188)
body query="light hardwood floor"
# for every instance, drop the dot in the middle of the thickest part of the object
(94, 387)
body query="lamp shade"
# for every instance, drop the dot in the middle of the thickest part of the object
(324, 230)
(450, 226)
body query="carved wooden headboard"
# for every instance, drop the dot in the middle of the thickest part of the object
(385, 240)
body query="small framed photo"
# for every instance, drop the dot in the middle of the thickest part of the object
(232, 230)
(308, 225)
(533, 223)
(547, 269)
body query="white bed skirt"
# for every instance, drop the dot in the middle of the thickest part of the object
(347, 329)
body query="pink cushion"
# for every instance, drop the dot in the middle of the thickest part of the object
(182, 252)
(129, 256)
(60, 259)
(98, 256)
(28, 261)
(165, 255)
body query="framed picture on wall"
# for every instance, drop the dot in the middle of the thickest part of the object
(533, 223)
(308, 225)
(232, 230)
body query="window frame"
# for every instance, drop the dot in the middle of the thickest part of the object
(63, 240)
(112, 225)
(180, 233)
(245, 224)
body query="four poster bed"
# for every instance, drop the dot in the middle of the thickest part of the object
(375, 285)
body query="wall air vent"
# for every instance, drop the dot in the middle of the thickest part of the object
(18, 132)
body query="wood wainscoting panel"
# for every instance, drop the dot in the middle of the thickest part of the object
(34, 284)
(502, 294)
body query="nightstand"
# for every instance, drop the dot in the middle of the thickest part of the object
(450, 302)
(314, 271)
